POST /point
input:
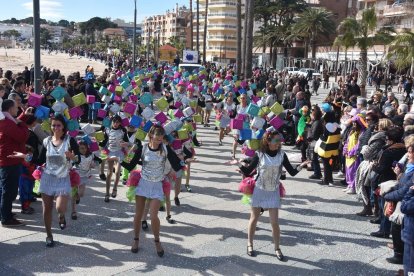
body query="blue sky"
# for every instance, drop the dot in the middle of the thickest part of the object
(82, 10)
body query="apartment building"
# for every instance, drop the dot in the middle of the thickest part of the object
(128, 27)
(171, 24)
(396, 13)
(221, 30)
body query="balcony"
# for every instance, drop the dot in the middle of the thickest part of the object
(222, 3)
(212, 27)
(402, 9)
(222, 15)
(222, 48)
(221, 38)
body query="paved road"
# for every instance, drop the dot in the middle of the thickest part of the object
(320, 233)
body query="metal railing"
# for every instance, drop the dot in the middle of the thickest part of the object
(222, 26)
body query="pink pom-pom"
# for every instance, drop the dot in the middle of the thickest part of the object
(37, 174)
(166, 187)
(134, 178)
(247, 185)
(74, 178)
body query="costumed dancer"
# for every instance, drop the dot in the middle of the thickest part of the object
(268, 162)
(115, 142)
(209, 99)
(83, 168)
(58, 151)
(136, 143)
(242, 113)
(155, 165)
(225, 110)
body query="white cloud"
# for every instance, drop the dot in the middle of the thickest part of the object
(49, 9)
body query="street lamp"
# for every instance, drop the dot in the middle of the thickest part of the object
(134, 35)
(158, 31)
(36, 46)
(148, 45)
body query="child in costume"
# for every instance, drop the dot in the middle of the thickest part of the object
(115, 142)
(83, 168)
(26, 182)
(225, 110)
(131, 131)
(304, 120)
(350, 152)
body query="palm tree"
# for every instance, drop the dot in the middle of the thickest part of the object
(363, 33)
(248, 64)
(402, 50)
(205, 33)
(346, 41)
(191, 26)
(313, 23)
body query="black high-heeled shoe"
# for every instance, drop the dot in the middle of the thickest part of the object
(144, 225)
(62, 222)
(135, 249)
(50, 242)
(250, 251)
(159, 253)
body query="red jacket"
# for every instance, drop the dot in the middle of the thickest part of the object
(13, 137)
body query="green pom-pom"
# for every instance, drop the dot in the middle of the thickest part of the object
(246, 199)
(36, 187)
(130, 194)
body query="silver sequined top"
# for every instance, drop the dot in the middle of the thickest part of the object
(115, 137)
(155, 164)
(56, 161)
(270, 170)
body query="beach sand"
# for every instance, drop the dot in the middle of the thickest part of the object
(16, 59)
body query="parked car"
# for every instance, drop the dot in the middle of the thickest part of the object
(307, 72)
(291, 70)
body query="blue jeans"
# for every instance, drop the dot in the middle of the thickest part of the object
(385, 225)
(408, 258)
(315, 165)
(9, 183)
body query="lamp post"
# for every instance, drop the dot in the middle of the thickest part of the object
(158, 43)
(148, 45)
(134, 36)
(36, 31)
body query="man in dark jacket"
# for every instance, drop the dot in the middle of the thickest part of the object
(404, 184)
(13, 136)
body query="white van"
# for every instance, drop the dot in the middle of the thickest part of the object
(291, 70)
(190, 67)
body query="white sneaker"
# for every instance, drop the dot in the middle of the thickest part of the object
(331, 185)
(351, 192)
(339, 174)
(345, 190)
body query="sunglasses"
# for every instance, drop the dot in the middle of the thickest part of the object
(56, 126)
